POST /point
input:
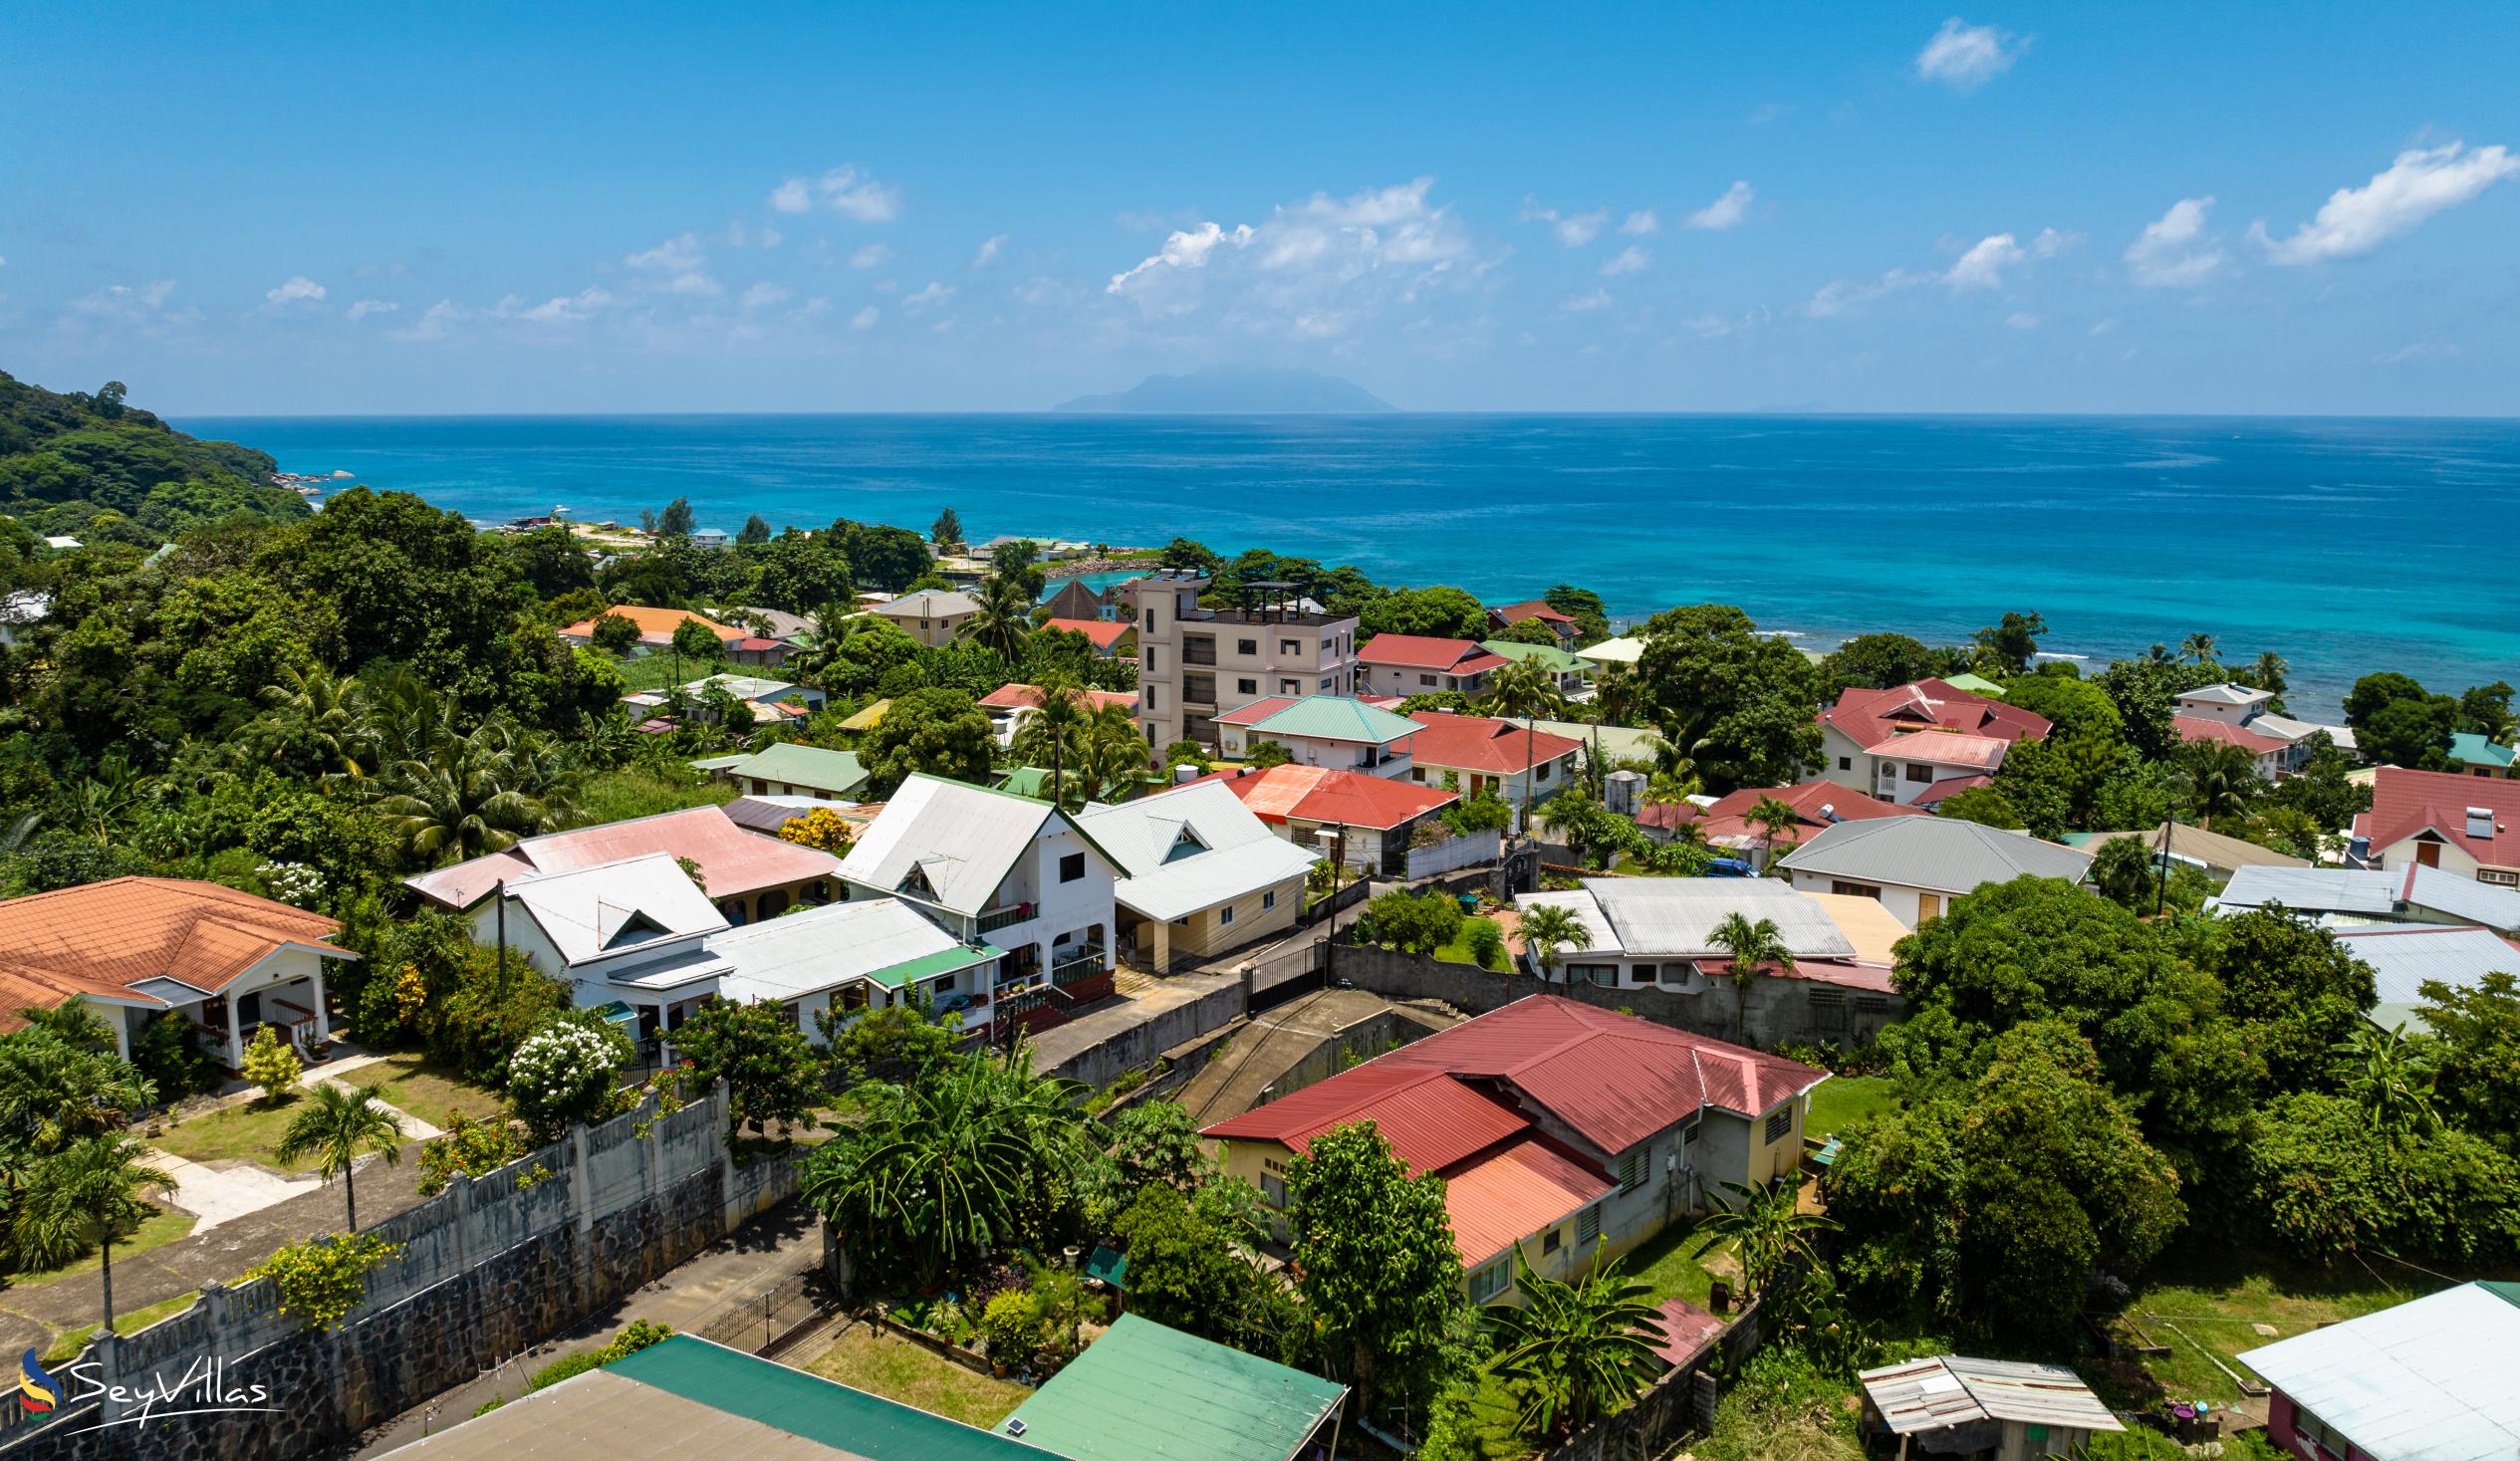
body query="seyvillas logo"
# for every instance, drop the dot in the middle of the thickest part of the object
(37, 1389)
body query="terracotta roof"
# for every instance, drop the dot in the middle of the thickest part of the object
(1257, 711)
(1514, 1191)
(733, 860)
(1430, 1119)
(1944, 748)
(2199, 728)
(2405, 802)
(1514, 613)
(1103, 632)
(655, 626)
(756, 645)
(1020, 696)
(105, 937)
(1328, 795)
(1726, 822)
(1421, 652)
(1479, 743)
(1949, 787)
(1870, 717)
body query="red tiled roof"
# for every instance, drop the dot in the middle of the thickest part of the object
(1257, 711)
(1479, 743)
(1687, 1329)
(1870, 717)
(2204, 728)
(2405, 802)
(1950, 785)
(732, 862)
(1103, 632)
(1327, 794)
(1946, 748)
(1421, 652)
(1021, 696)
(104, 937)
(1431, 1121)
(1513, 1191)
(1728, 816)
(1514, 613)
(757, 645)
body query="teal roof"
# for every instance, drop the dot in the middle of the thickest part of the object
(2470, 749)
(1146, 1390)
(1337, 718)
(1111, 1268)
(833, 773)
(851, 1422)
(1560, 661)
(930, 966)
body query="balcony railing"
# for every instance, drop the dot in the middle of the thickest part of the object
(1196, 651)
(1004, 916)
(1080, 964)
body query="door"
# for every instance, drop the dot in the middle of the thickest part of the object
(2428, 854)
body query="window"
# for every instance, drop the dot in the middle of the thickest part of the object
(1246, 646)
(1587, 1225)
(1635, 1167)
(1843, 889)
(1290, 687)
(1246, 687)
(1268, 900)
(1070, 866)
(1154, 618)
(1779, 1124)
(1488, 1281)
(1641, 974)
(1426, 679)
(1324, 647)
(2500, 876)
(1225, 917)
(1417, 773)
(1272, 1189)
(1920, 772)
(1542, 772)
(1607, 974)
(1846, 763)
(1290, 647)
(1152, 662)
(1550, 1241)
(1326, 684)
(1150, 704)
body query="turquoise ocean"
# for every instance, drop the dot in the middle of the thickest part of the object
(2343, 545)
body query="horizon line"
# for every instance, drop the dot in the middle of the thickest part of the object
(1776, 413)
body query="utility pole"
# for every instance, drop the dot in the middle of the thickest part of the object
(2162, 872)
(501, 894)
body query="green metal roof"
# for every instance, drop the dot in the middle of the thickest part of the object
(1559, 662)
(834, 772)
(928, 966)
(1975, 684)
(1337, 718)
(1111, 1268)
(1144, 1390)
(850, 1421)
(2470, 749)
(1026, 781)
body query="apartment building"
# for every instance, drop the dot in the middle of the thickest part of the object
(1195, 663)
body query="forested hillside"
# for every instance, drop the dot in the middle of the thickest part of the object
(95, 469)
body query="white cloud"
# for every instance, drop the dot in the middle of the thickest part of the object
(694, 284)
(1641, 223)
(871, 256)
(678, 255)
(1584, 304)
(567, 310)
(934, 294)
(1184, 249)
(1727, 211)
(2173, 251)
(988, 251)
(1965, 57)
(1983, 266)
(2422, 182)
(1716, 327)
(297, 289)
(1840, 294)
(2019, 320)
(864, 319)
(2105, 325)
(361, 309)
(791, 196)
(771, 238)
(762, 296)
(2051, 243)
(436, 323)
(853, 194)
(1574, 230)
(1626, 261)
(2421, 349)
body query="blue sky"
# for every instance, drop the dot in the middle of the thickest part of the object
(282, 210)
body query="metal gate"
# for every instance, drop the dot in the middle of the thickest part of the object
(1296, 972)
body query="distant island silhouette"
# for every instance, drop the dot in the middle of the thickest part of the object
(1232, 391)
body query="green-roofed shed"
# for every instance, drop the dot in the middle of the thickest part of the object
(851, 1422)
(1337, 718)
(1145, 1391)
(1975, 684)
(789, 769)
(1558, 661)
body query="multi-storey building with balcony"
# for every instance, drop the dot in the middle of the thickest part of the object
(1195, 663)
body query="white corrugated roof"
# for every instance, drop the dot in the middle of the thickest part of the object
(2372, 893)
(1931, 853)
(963, 837)
(2404, 956)
(806, 952)
(1676, 916)
(1231, 853)
(2429, 1380)
(1950, 1389)
(594, 913)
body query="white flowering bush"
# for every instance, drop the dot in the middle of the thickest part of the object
(292, 883)
(564, 1074)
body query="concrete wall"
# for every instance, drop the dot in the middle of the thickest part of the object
(1372, 1035)
(488, 1268)
(1139, 1043)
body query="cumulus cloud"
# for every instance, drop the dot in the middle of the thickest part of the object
(1626, 261)
(762, 296)
(1840, 294)
(678, 255)
(1983, 266)
(791, 196)
(850, 193)
(2051, 243)
(564, 310)
(933, 294)
(1725, 212)
(988, 251)
(2021, 320)
(2422, 182)
(2173, 251)
(864, 319)
(871, 256)
(296, 290)
(1641, 223)
(1584, 304)
(1965, 57)
(435, 323)
(1574, 230)
(361, 309)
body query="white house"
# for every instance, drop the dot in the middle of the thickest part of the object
(2440, 819)
(1657, 932)
(1324, 730)
(1201, 874)
(630, 936)
(1916, 866)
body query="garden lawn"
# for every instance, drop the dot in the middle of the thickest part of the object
(637, 791)
(161, 1226)
(416, 1085)
(1668, 1264)
(66, 1344)
(867, 1359)
(1458, 950)
(2215, 1307)
(1842, 1100)
(655, 672)
(249, 1130)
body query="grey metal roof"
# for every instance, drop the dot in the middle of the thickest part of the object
(2427, 1380)
(963, 838)
(2403, 956)
(1676, 916)
(1946, 1390)
(1192, 847)
(2373, 892)
(1931, 853)
(2226, 694)
(767, 814)
(823, 949)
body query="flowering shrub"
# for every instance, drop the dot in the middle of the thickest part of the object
(292, 883)
(473, 1148)
(564, 1074)
(322, 1280)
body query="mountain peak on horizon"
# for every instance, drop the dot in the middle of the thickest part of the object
(1236, 390)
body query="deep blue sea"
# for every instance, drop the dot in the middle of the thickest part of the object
(2346, 546)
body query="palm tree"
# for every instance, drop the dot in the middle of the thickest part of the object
(1525, 690)
(465, 799)
(89, 1193)
(1004, 621)
(2389, 1072)
(1582, 1349)
(1772, 817)
(2217, 779)
(1547, 928)
(1056, 726)
(1112, 759)
(57, 1092)
(1766, 1227)
(2198, 646)
(2269, 671)
(1752, 947)
(321, 718)
(1614, 691)
(337, 1125)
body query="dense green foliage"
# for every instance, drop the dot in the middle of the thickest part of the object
(1379, 1272)
(92, 467)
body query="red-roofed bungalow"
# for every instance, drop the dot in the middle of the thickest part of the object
(2464, 825)
(1372, 818)
(1419, 665)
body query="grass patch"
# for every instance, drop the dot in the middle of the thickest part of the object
(1670, 1264)
(414, 1083)
(1842, 1101)
(655, 672)
(1458, 950)
(161, 1227)
(2216, 1306)
(641, 790)
(249, 1131)
(869, 1359)
(66, 1344)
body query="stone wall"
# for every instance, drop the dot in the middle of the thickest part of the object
(1385, 1029)
(488, 1268)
